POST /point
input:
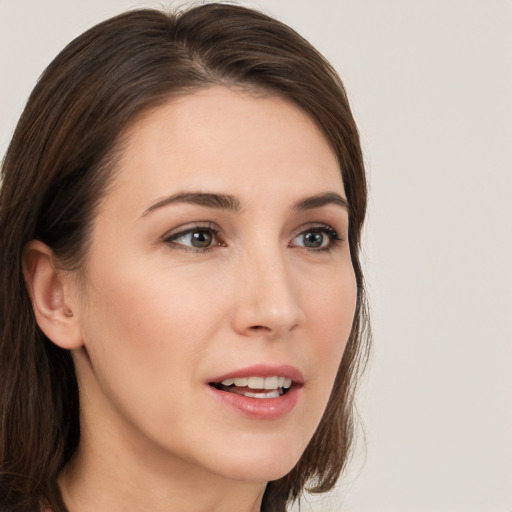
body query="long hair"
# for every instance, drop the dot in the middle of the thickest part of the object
(58, 167)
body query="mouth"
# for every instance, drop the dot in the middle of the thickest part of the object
(261, 392)
(255, 387)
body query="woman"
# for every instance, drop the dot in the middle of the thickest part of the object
(182, 304)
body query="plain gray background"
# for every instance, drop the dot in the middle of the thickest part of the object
(430, 83)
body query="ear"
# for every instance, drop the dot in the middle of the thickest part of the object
(51, 293)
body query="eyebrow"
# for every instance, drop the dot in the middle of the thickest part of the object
(310, 203)
(209, 200)
(231, 203)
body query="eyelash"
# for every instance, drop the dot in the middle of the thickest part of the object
(332, 235)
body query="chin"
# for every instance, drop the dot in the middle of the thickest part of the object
(263, 462)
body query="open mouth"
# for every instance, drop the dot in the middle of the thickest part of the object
(255, 387)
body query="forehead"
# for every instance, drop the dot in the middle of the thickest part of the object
(221, 138)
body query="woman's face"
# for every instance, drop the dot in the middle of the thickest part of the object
(220, 253)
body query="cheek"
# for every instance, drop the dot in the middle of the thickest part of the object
(332, 315)
(145, 334)
(148, 325)
(332, 306)
(146, 317)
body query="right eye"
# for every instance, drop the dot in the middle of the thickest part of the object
(199, 237)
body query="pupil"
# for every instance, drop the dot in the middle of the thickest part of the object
(201, 239)
(313, 239)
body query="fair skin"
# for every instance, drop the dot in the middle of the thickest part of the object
(181, 290)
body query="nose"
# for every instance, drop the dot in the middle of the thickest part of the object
(267, 299)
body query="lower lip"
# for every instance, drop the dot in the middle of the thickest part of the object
(260, 408)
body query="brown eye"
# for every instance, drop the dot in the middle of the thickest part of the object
(195, 238)
(201, 239)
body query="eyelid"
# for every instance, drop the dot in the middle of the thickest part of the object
(319, 226)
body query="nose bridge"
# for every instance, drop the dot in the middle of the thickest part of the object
(267, 300)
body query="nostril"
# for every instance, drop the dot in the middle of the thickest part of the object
(260, 328)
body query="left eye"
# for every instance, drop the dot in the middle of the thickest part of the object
(318, 238)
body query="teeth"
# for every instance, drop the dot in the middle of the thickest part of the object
(271, 394)
(256, 382)
(273, 383)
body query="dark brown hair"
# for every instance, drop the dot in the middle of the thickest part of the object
(58, 167)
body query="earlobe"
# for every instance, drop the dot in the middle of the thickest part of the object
(47, 288)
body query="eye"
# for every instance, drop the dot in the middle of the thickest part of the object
(198, 237)
(321, 238)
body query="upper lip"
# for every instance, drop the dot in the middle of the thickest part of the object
(263, 370)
